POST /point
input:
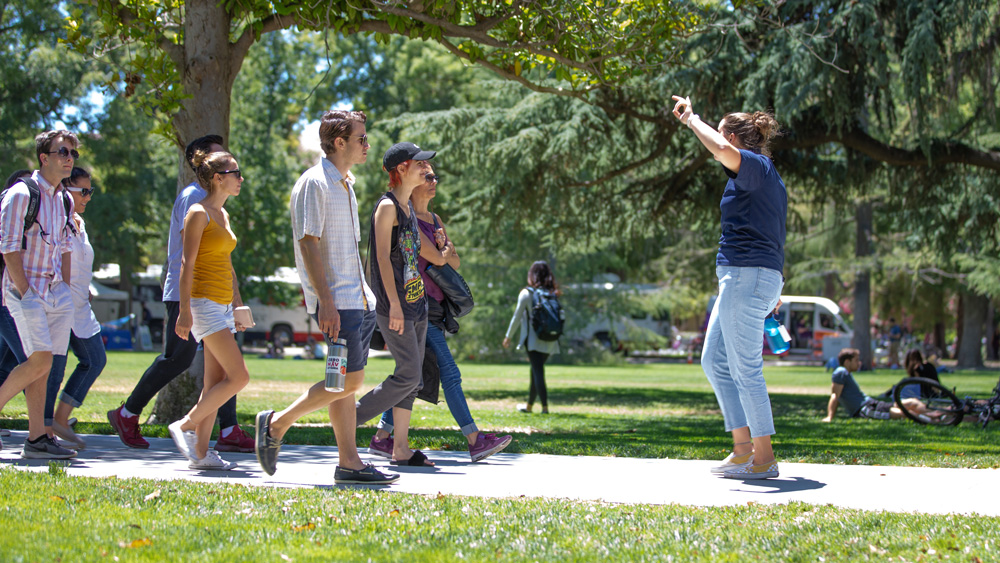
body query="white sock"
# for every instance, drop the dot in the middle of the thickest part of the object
(127, 414)
(227, 431)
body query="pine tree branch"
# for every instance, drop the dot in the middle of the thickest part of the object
(810, 134)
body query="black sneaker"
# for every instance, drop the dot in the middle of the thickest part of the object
(46, 448)
(367, 476)
(265, 446)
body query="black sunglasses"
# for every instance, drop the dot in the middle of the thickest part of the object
(234, 171)
(364, 139)
(83, 191)
(432, 177)
(63, 152)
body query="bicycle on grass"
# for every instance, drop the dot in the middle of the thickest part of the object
(939, 405)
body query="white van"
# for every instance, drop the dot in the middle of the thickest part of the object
(284, 323)
(810, 321)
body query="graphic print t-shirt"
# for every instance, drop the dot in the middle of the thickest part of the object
(403, 253)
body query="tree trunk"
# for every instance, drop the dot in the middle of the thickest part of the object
(176, 399)
(970, 351)
(862, 285)
(939, 314)
(208, 69)
(991, 332)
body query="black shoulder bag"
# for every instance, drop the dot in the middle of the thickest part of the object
(457, 295)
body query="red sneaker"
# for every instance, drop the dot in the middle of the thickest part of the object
(127, 429)
(237, 441)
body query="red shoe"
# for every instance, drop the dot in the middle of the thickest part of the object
(237, 441)
(127, 429)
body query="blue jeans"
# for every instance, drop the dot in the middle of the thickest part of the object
(13, 353)
(451, 384)
(91, 361)
(734, 341)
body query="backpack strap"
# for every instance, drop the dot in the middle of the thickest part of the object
(31, 213)
(68, 205)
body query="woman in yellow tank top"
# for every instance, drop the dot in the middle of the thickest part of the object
(206, 306)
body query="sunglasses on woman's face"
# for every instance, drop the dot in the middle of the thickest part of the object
(83, 191)
(432, 177)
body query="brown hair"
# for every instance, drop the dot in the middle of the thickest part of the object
(44, 140)
(914, 361)
(336, 124)
(207, 164)
(754, 131)
(540, 276)
(203, 144)
(848, 354)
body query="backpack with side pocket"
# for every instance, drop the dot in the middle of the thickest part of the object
(31, 213)
(547, 316)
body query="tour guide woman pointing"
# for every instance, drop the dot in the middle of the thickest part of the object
(749, 265)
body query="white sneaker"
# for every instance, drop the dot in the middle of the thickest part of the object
(732, 462)
(212, 462)
(187, 441)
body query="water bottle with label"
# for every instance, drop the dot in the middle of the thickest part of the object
(778, 339)
(336, 365)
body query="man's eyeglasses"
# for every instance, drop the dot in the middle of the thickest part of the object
(432, 177)
(233, 171)
(63, 152)
(364, 139)
(83, 191)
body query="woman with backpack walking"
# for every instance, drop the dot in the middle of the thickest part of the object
(749, 267)
(542, 288)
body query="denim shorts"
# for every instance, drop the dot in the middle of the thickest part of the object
(356, 328)
(209, 317)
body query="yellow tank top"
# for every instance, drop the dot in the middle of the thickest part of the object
(213, 274)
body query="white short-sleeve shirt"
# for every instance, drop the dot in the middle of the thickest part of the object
(323, 205)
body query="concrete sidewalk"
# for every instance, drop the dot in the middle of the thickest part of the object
(609, 479)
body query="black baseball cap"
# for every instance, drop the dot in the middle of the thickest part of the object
(401, 152)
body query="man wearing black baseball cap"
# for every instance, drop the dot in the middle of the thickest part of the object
(401, 152)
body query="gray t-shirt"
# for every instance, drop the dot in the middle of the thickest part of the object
(851, 396)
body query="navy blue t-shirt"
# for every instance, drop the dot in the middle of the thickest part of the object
(754, 208)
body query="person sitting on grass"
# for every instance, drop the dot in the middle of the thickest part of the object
(857, 404)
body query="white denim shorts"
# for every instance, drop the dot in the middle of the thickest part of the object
(209, 317)
(42, 324)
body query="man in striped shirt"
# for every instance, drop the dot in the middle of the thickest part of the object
(34, 282)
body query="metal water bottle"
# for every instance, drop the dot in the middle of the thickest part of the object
(336, 365)
(778, 339)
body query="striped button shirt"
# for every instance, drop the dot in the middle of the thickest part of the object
(45, 241)
(323, 205)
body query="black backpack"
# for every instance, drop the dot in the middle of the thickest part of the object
(547, 317)
(31, 213)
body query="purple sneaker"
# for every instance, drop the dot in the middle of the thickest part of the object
(381, 448)
(487, 445)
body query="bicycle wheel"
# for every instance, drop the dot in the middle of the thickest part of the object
(941, 408)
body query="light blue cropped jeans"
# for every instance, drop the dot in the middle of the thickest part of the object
(732, 357)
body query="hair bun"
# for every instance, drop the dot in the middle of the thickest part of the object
(765, 124)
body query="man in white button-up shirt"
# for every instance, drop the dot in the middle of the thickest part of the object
(35, 292)
(325, 223)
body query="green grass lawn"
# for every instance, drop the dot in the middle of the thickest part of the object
(52, 517)
(646, 410)
(637, 410)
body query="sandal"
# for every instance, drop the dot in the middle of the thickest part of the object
(418, 459)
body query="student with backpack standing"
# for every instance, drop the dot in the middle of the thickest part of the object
(541, 321)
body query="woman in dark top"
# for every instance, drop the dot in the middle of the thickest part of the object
(749, 267)
(400, 305)
(916, 367)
